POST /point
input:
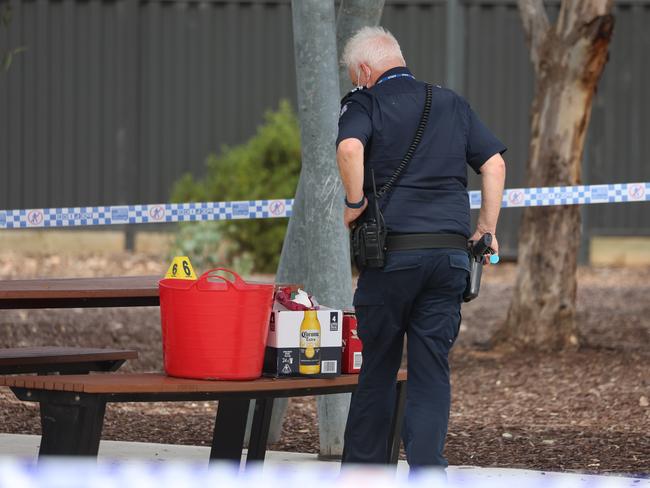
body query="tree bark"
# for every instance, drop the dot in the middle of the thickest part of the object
(352, 16)
(333, 409)
(569, 59)
(315, 252)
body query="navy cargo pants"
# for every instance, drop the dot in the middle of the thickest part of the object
(417, 293)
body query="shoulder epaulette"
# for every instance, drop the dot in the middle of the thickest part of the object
(359, 95)
(350, 94)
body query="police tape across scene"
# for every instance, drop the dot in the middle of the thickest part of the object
(281, 208)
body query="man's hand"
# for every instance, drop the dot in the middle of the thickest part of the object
(352, 214)
(495, 244)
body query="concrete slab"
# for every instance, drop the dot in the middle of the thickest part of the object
(25, 448)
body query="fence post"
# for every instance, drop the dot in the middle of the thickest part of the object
(126, 131)
(455, 48)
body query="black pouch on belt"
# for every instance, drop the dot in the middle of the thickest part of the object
(367, 242)
(368, 239)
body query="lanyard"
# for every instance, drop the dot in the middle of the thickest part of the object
(398, 75)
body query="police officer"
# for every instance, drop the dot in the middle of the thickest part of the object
(418, 292)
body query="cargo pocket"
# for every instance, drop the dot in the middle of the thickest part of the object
(459, 273)
(368, 307)
(459, 261)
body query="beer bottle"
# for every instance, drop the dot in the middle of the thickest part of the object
(309, 360)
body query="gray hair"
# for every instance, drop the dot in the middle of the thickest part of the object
(374, 46)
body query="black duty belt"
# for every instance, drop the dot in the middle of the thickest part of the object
(410, 242)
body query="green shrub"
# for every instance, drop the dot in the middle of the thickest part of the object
(267, 166)
(204, 244)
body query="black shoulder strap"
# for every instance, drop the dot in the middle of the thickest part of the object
(388, 186)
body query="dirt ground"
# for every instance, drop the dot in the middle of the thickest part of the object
(582, 411)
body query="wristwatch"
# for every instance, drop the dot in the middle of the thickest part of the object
(356, 205)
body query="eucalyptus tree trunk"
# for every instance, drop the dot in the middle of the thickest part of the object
(315, 252)
(569, 58)
(333, 409)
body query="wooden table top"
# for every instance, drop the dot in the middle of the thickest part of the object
(61, 355)
(114, 291)
(159, 383)
(114, 286)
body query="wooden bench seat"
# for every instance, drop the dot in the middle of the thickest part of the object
(76, 406)
(66, 360)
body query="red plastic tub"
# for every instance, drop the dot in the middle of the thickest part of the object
(214, 327)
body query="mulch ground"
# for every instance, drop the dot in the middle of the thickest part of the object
(582, 411)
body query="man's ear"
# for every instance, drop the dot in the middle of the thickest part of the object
(367, 72)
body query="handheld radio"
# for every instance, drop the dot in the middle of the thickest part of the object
(368, 239)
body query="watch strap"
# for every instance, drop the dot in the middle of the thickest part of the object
(356, 205)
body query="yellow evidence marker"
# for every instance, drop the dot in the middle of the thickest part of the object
(181, 269)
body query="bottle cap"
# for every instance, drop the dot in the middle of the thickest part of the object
(494, 259)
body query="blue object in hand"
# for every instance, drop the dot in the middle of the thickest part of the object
(494, 259)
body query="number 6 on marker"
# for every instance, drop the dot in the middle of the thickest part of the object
(174, 270)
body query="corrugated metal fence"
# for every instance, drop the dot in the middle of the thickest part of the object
(114, 99)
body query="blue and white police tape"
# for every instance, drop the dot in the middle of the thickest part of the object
(570, 195)
(262, 209)
(144, 214)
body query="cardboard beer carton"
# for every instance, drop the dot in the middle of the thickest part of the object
(304, 340)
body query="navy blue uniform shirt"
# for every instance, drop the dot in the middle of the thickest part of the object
(431, 195)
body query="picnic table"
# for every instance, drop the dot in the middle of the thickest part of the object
(76, 406)
(72, 406)
(126, 291)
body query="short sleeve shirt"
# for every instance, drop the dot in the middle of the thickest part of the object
(431, 194)
(481, 143)
(354, 122)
